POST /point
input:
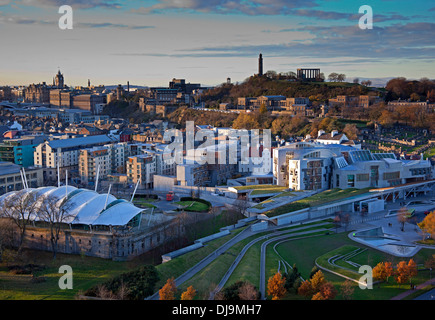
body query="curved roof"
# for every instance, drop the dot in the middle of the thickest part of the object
(83, 206)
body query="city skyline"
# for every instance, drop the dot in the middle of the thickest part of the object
(149, 42)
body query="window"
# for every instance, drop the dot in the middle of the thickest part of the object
(350, 180)
(391, 175)
(362, 177)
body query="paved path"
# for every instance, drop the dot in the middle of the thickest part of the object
(207, 260)
(420, 286)
(276, 236)
(264, 245)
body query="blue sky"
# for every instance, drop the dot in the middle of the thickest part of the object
(151, 42)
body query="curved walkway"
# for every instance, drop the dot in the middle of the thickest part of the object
(420, 286)
(263, 254)
(239, 257)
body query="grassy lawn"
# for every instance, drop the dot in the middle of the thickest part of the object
(249, 267)
(176, 267)
(305, 252)
(193, 206)
(87, 271)
(317, 199)
(261, 189)
(430, 152)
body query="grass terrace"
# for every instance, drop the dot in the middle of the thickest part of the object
(193, 206)
(260, 189)
(317, 200)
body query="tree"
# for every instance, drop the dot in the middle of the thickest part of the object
(428, 225)
(314, 270)
(356, 80)
(248, 291)
(402, 273)
(21, 208)
(189, 294)
(414, 97)
(333, 76)
(351, 131)
(275, 286)
(263, 109)
(6, 235)
(317, 281)
(328, 291)
(318, 296)
(291, 278)
(136, 284)
(341, 77)
(382, 271)
(167, 292)
(305, 289)
(347, 289)
(55, 214)
(402, 217)
(412, 269)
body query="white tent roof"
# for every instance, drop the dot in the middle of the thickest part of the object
(84, 206)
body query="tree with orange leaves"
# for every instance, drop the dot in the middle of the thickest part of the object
(317, 281)
(189, 294)
(402, 274)
(275, 286)
(412, 269)
(327, 290)
(428, 225)
(305, 289)
(167, 292)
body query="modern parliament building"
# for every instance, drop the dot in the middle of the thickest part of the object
(316, 166)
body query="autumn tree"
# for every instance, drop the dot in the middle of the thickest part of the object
(318, 288)
(189, 294)
(412, 269)
(276, 286)
(305, 289)
(317, 281)
(428, 225)
(402, 273)
(248, 291)
(347, 289)
(328, 291)
(351, 131)
(379, 272)
(167, 292)
(402, 217)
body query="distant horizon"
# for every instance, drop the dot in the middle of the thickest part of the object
(133, 85)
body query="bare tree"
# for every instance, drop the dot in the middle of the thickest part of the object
(6, 235)
(241, 206)
(402, 218)
(21, 208)
(346, 220)
(56, 213)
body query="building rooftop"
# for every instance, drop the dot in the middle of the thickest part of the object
(82, 141)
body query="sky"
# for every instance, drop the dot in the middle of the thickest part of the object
(150, 42)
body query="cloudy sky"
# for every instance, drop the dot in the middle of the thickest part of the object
(150, 42)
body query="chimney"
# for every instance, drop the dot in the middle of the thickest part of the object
(320, 132)
(334, 133)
